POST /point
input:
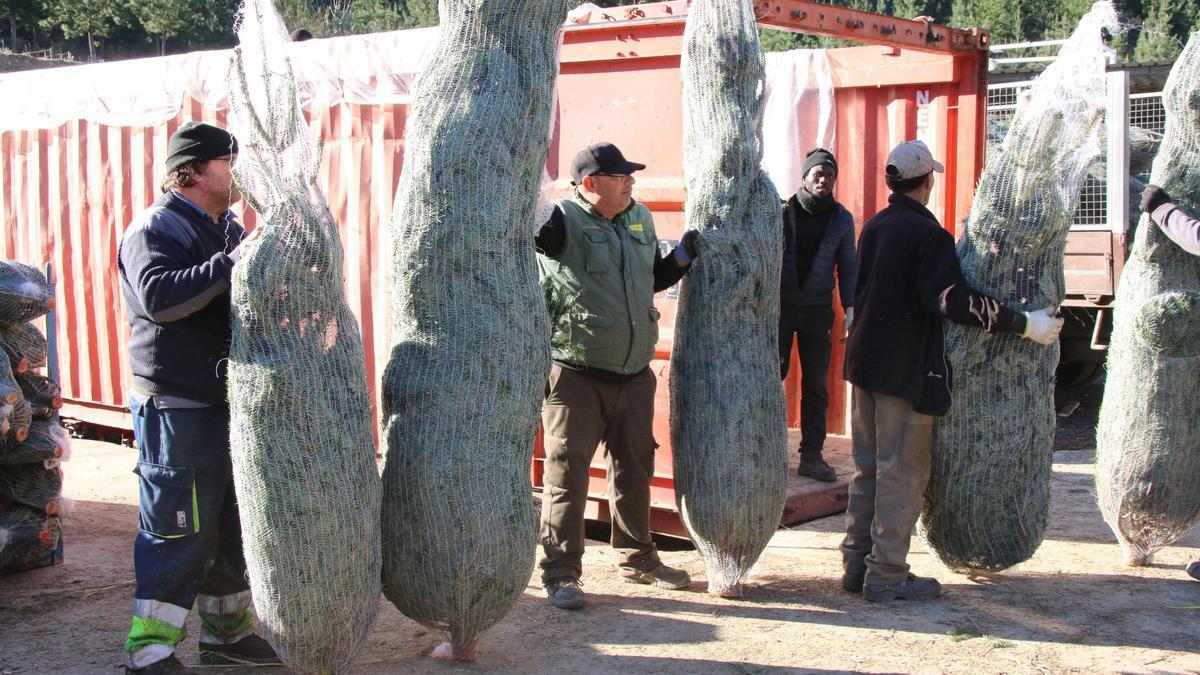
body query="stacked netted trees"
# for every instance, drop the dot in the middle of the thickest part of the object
(988, 499)
(471, 350)
(303, 451)
(32, 441)
(1148, 441)
(728, 433)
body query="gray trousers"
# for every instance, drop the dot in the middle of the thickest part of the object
(579, 413)
(892, 454)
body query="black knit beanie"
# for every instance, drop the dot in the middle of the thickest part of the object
(817, 157)
(196, 142)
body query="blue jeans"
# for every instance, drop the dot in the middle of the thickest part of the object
(189, 542)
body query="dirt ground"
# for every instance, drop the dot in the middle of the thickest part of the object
(1073, 608)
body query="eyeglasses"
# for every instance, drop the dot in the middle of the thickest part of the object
(622, 176)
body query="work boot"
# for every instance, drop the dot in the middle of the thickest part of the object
(168, 666)
(659, 577)
(912, 588)
(815, 467)
(565, 593)
(1193, 570)
(852, 582)
(249, 651)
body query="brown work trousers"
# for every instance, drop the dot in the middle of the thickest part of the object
(892, 454)
(579, 413)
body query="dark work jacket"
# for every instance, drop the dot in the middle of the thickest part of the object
(909, 282)
(175, 268)
(836, 249)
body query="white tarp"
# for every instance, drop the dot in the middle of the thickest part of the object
(379, 68)
(365, 69)
(799, 114)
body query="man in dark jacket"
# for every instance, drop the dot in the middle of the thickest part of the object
(818, 237)
(175, 262)
(909, 282)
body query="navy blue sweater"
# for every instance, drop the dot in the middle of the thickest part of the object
(175, 267)
(836, 249)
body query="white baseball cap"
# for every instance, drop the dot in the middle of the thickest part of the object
(911, 159)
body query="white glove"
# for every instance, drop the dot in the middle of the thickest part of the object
(1041, 326)
(848, 320)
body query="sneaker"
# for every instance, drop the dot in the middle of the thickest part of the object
(168, 666)
(565, 593)
(659, 577)
(816, 468)
(1193, 570)
(912, 588)
(249, 651)
(852, 582)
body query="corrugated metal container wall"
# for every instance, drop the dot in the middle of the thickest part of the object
(66, 194)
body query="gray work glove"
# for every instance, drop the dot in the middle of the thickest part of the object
(688, 244)
(1154, 197)
(1042, 326)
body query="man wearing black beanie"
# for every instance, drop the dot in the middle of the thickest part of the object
(175, 262)
(818, 237)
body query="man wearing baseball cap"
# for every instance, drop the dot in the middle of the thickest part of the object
(818, 238)
(600, 266)
(175, 261)
(909, 282)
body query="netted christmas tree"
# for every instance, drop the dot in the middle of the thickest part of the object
(33, 442)
(988, 499)
(303, 452)
(24, 293)
(25, 346)
(1148, 441)
(26, 535)
(471, 336)
(728, 429)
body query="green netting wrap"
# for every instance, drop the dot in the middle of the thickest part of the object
(47, 439)
(301, 435)
(471, 349)
(988, 499)
(1148, 441)
(26, 535)
(43, 394)
(10, 391)
(24, 293)
(728, 429)
(25, 346)
(19, 420)
(36, 485)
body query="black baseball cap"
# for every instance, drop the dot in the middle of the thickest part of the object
(601, 158)
(196, 142)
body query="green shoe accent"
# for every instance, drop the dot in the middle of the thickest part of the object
(145, 632)
(226, 625)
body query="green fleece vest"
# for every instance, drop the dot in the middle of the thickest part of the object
(601, 289)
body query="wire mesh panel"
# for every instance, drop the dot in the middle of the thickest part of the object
(1146, 125)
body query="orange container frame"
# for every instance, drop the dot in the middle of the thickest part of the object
(620, 81)
(66, 194)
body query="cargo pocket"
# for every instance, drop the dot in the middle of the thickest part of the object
(644, 248)
(168, 507)
(599, 259)
(586, 327)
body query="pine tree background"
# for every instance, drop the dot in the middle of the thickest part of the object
(115, 29)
